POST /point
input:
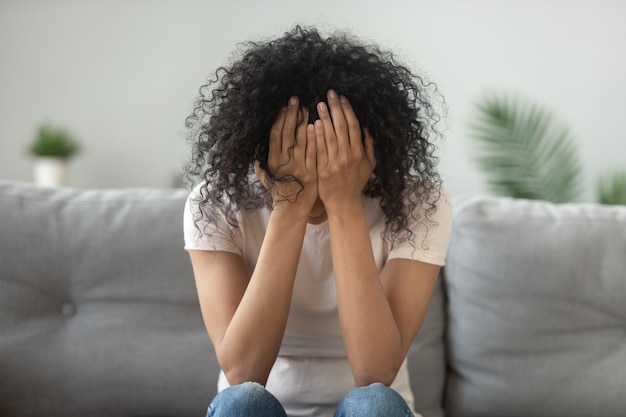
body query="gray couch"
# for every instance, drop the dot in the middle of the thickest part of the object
(99, 315)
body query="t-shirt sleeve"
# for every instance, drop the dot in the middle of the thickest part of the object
(431, 236)
(208, 230)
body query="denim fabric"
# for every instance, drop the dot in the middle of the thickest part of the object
(253, 400)
(249, 399)
(376, 400)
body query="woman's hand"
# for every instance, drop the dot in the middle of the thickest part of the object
(292, 161)
(344, 161)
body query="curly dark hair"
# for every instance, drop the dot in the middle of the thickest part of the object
(232, 117)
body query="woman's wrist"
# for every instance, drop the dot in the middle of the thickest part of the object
(348, 208)
(291, 212)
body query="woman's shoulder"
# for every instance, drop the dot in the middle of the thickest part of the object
(245, 196)
(206, 203)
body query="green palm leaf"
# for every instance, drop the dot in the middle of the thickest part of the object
(612, 188)
(524, 152)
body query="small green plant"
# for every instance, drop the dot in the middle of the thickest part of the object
(54, 142)
(525, 153)
(612, 188)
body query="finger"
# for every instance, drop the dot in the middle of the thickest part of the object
(276, 133)
(301, 136)
(289, 128)
(369, 148)
(339, 125)
(320, 145)
(354, 127)
(311, 149)
(326, 125)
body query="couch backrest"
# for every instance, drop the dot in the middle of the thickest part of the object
(98, 309)
(537, 309)
(99, 314)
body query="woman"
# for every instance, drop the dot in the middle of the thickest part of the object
(319, 226)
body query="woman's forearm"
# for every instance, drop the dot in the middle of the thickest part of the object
(370, 333)
(253, 337)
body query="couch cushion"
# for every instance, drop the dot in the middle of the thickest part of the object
(427, 361)
(98, 310)
(537, 310)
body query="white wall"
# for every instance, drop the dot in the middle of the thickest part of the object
(122, 74)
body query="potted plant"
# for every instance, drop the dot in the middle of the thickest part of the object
(525, 152)
(612, 188)
(52, 147)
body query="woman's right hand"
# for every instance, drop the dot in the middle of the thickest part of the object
(292, 161)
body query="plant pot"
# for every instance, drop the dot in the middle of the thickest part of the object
(50, 171)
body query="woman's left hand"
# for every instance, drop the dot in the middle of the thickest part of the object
(345, 161)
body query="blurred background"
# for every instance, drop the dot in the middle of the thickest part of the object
(121, 76)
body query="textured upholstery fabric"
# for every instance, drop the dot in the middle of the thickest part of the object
(99, 314)
(98, 310)
(427, 361)
(537, 309)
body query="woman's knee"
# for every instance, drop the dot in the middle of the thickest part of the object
(249, 399)
(375, 400)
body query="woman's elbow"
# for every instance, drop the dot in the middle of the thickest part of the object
(383, 376)
(238, 375)
(238, 371)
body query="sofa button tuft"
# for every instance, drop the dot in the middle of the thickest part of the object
(68, 309)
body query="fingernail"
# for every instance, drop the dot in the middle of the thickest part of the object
(343, 99)
(318, 124)
(293, 100)
(321, 107)
(332, 94)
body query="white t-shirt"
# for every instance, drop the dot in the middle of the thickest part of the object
(312, 374)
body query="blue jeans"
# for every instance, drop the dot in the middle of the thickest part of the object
(253, 400)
